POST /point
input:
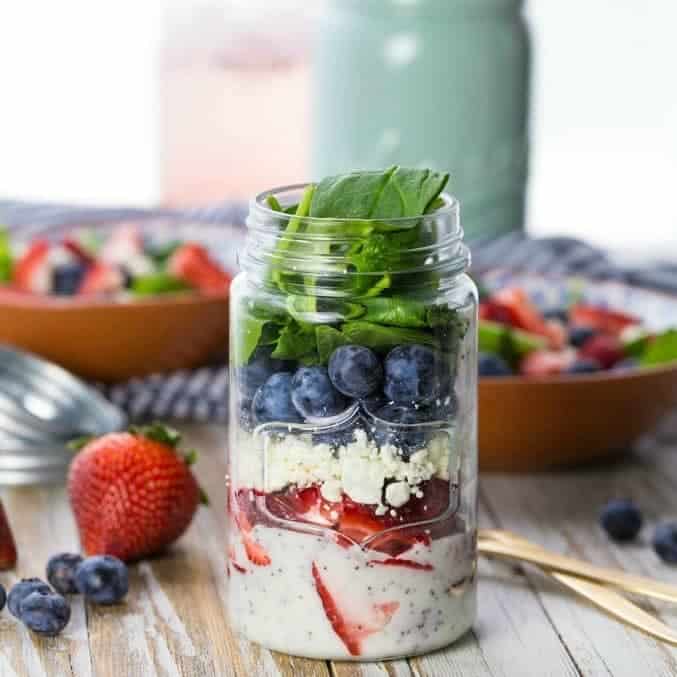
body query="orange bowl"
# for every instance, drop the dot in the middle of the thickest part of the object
(113, 341)
(528, 424)
(541, 423)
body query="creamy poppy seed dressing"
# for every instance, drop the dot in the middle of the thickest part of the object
(352, 461)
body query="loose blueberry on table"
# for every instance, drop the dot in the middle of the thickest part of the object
(621, 519)
(103, 579)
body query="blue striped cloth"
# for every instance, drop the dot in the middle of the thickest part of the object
(202, 395)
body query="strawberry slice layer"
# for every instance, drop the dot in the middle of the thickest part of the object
(349, 631)
(256, 553)
(406, 563)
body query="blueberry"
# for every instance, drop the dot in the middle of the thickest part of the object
(355, 371)
(3, 597)
(579, 335)
(61, 572)
(406, 439)
(489, 364)
(341, 437)
(559, 314)
(45, 613)
(67, 277)
(22, 589)
(102, 579)
(272, 401)
(413, 374)
(584, 365)
(314, 395)
(626, 364)
(260, 368)
(665, 542)
(621, 519)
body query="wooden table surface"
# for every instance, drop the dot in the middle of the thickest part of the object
(173, 623)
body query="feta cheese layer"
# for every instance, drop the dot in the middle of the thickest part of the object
(361, 469)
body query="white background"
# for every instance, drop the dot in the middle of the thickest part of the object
(80, 114)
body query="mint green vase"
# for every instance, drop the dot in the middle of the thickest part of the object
(438, 83)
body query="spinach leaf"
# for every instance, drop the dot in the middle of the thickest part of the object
(393, 193)
(297, 342)
(328, 340)
(393, 310)
(6, 261)
(158, 283)
(662, 350)
(259, 324)
(382, 338)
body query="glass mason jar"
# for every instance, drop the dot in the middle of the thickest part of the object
(352, 469)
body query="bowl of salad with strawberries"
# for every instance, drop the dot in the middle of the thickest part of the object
(570, 369)
(117, 300)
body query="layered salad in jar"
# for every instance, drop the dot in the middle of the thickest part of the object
(352, 459)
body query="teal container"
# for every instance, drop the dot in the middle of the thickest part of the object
(435, 83)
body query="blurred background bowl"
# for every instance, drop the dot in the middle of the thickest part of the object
(536, 424)
(111, 341)
(528, 424)
(114, 340)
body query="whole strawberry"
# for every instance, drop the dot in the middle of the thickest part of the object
(132, 493)
(7, 546)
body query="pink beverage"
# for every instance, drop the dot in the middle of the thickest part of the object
(235, 102)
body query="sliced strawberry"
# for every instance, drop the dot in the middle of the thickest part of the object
(32, 272)
(359, 522)
(233, 559)
(396, 562)
(256, 553)
(350, 632)
(80, 253)
(602, 319)
(306, 505)
(605, 348)
(102, 278)
(124, 243)
(192, 264)
(513, 306)
(546, 362)
(7, 545)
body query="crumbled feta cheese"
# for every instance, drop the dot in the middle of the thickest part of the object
(360, 470)
(331, 490)
(397, 494)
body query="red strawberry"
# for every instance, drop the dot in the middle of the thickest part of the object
(192, 264)
(605, 348)
(32, 272)
(601, 319)
(546, 362)
(132, 493)
(80, 253)
(513, 306)
(102, 278)
(306, 505)
(351, 632)
(7, 546)
(245, 517)
(233, 559)
(406, 563)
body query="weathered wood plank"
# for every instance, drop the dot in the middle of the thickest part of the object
(399, 668)
(531, 505)
(42, 526)
(513, 634)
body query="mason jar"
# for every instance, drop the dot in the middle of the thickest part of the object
(352, 464)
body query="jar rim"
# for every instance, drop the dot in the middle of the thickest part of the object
(258, 204)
